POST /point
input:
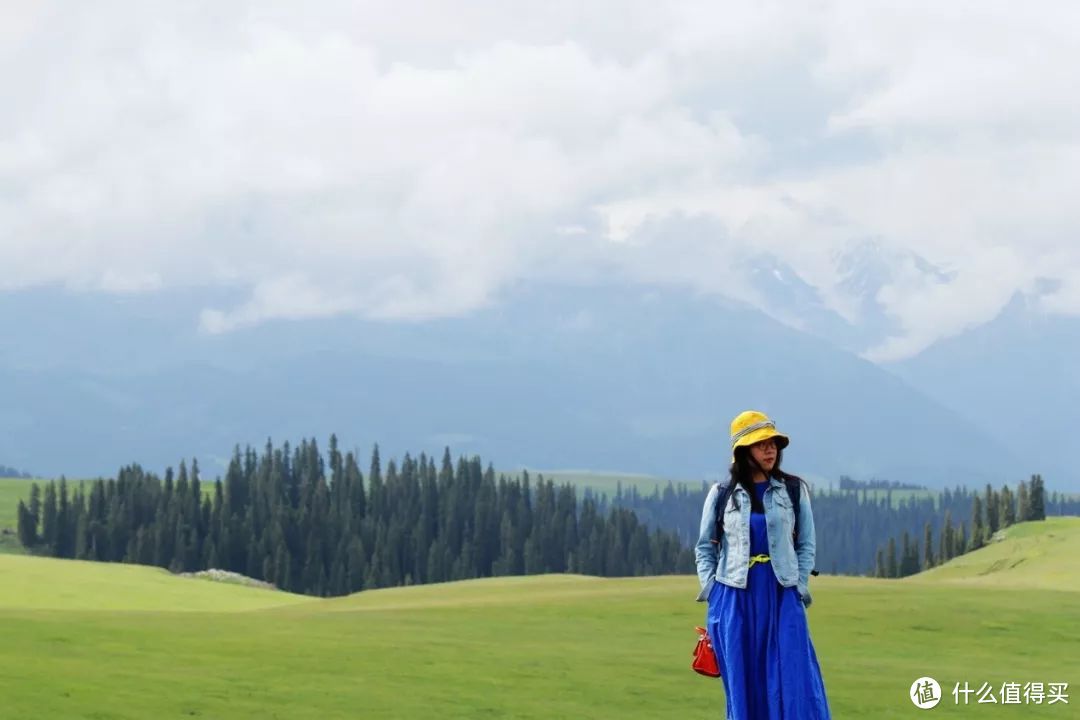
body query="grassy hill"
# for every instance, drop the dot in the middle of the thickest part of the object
(1030, 555)
(85, 640)
(71, 585)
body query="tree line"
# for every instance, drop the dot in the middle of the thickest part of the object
(848, 483)
(992, 511)
(852, 524)
(316, 525)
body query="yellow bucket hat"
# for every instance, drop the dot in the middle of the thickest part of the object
(751, 427)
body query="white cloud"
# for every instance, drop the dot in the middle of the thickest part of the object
(408, 160)
(925, 306)
(291, 297)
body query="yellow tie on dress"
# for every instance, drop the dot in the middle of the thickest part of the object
(758, 559)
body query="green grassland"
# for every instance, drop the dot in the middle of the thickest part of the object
(84, 640)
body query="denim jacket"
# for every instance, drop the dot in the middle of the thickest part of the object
(729, 562)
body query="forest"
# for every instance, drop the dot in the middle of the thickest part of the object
(316, 525)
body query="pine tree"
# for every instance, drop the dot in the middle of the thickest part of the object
(879, 570)
(436, 568)
(375, 484)
(357, 496)
(338, 584)
(268, 570)
(49, 530)
(1008, 507)
(35, 508)
(26, 526)
(210, 553)
(253, 564)
(196, 526)
(945, 551)
(976, 540)
(1038, 498)
(337, 471)
(65, 532)
(1023, 503)
(313, 566)
(905, 556)
(891, 567)
(928, 545)
(355, 568)
(176, 559)
(992, 505)
(144, 548)
(81, 544)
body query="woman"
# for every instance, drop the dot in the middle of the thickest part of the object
(754, 566)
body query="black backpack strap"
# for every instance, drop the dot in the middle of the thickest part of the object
(794, 488)
(723, 494)
(792, 484)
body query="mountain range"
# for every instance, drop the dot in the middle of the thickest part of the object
(613, 378)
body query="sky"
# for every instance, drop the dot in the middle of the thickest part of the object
(405, 160)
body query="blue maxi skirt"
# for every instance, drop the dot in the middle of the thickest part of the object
(762, 640)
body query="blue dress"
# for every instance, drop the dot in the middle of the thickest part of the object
(762, 640)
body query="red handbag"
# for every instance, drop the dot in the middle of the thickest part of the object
(704, 656)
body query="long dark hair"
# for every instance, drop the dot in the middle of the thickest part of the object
(742, 473)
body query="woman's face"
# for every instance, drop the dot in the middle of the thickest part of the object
(764, 454)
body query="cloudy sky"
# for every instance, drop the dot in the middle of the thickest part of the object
(411, 160)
